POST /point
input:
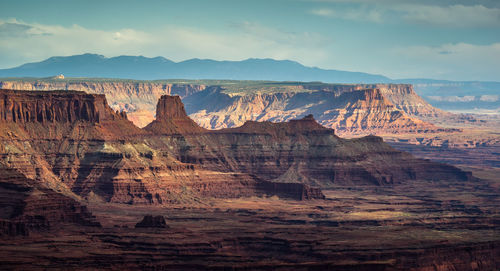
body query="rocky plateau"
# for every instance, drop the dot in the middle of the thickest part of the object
(349, 109)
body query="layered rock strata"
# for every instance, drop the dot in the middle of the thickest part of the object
(136, 98)
(350, 109)
(297, 151)
(96, 153)
(78, 144)
(27, 206)
(171, 118)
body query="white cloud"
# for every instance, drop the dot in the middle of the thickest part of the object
(454, 15)
(246, 40)
(22, 42)
(489, 98)
(463, 99)
(369, 15)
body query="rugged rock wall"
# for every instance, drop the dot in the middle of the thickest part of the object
(298, 151)
(174, 160)
(350, 109)
(28, 206)
(171, 118)
(62, 106)
(62, 114)
(136, 98)
(105, 157)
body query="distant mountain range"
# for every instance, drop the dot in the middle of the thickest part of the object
(143, 68)
(442, 92)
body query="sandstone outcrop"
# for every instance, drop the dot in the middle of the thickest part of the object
(349, 109)
(171, 118)
(92, 151)
(101, 154)
(134, 97)
(96, 152)
(60, 114)
(27, 206)
(301, 151)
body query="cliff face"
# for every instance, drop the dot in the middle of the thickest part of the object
(65, 107)
(75, 141)
(370, 111)
(171, 118)
(357, 109)
(136, 98)
(297, 151)
(29, 207)
(62, 114)
(101, 154)
(349, 109)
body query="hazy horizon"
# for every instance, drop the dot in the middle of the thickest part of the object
(452, 40)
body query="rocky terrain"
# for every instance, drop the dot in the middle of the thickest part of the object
(28, 207)
(349, 109)
(289, 195)
(105, 157)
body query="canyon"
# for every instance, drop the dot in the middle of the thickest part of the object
(393, 111)
(349, 109)
(82, 187)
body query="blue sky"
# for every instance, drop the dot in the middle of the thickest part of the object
(456, 40)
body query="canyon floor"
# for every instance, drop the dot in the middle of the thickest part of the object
(476, 147)
(448, 227)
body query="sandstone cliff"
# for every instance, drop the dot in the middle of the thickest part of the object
(62, 114)
(349, 109)
(171, 118)
(73, 142)
(79, 144)
(136, 98)
(299, 151)
(28, 206)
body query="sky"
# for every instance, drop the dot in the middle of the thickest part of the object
(454, 40)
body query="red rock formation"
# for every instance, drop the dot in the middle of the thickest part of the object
(300, 151)
(28, 206)
(398, 109)
(368, 110)
(254, 160)
(110, 159)
(306, 125)
(42, 107)
(171, 118)
(144, 95)
(53, 114)
(113, 161)
(349, 109)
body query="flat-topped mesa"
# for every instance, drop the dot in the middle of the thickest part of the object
(171, 118)
(62, 114)
(53, 106)
(368, 111)
(306, 125)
